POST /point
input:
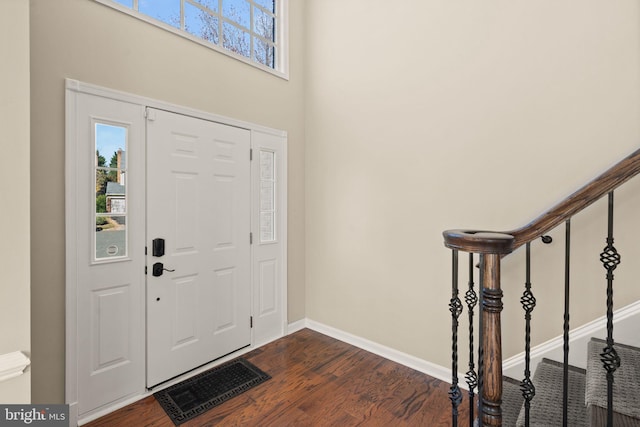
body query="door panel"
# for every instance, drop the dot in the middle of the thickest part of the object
(225, 283)
(110, 310)
(186, 222)
(185, 313)
(198, 200)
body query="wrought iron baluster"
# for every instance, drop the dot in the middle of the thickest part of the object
(455, 307)
(565, 376)
(480, 342)
(528, 302)
(471, 298)
(610, 259)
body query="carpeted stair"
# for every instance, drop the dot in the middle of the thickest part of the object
(546, 407)
(587, 392)
(626, 387)
(512, 401)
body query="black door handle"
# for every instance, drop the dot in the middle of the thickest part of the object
(158, 269)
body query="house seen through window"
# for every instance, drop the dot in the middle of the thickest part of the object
(110, 168)
(245, 28)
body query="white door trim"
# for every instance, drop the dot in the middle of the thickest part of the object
(74, 87)
(91, 89)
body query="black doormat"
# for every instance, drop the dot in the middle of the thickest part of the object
(195, 396)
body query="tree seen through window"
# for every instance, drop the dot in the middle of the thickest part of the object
(245, 27)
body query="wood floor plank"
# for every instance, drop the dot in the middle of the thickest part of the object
(316, 381)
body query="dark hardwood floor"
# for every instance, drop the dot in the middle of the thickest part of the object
(316, 381)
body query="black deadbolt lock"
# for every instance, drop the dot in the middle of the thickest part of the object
(158, 247)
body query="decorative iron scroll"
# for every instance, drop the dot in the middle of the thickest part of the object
(610, 259)
(528, 302)
(471, 298)
(455, 307)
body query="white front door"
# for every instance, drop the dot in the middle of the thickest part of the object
(198, 203)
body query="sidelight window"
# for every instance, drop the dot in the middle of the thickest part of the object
(110, 167)
(267, 196)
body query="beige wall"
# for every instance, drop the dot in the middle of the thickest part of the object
(87, 41)
(402, 122)
(14, 192)
(431, 115)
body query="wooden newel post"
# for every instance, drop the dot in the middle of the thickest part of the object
(491, 247)
(491, 341)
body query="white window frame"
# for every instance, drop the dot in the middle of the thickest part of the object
(281, 42)
(94, 238)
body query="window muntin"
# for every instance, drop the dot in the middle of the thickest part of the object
(267, 4)
(251, 30)
(235, 39)
(110, 173)
(237, 11)
(201, 23)
(167, 11)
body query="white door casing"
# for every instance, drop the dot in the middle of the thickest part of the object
(198, 198)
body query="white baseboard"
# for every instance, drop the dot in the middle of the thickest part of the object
(626, 322)
(296, 326)
(421, 365)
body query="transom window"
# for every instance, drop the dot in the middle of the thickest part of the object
(250, 30)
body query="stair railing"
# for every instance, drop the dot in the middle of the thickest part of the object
(491, 247)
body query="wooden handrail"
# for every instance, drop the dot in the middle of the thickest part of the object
(492, 246)
(485, 241)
